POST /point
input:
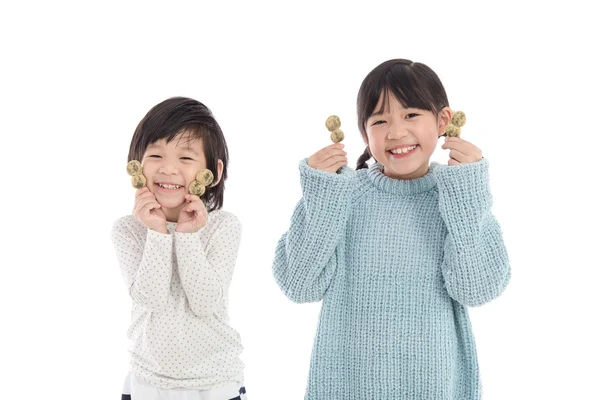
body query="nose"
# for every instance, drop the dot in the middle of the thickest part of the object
(397, 131)
(167, 168)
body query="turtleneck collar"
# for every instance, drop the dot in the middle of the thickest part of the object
(398, 186)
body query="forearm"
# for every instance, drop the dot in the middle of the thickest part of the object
(476, 267)
(305, 258)
(146, 269)
(205, 270)
(200, 280)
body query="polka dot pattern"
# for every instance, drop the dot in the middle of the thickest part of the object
(179, 282)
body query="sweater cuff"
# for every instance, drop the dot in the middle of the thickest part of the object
(158, 238)
(464, 184)
(186, 237)
(322, 185)
(188, 234)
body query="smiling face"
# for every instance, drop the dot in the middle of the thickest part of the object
(170, 168)
(403, 139)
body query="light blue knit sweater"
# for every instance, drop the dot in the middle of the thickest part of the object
(396, 263)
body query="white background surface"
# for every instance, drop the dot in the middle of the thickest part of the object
(76, 78)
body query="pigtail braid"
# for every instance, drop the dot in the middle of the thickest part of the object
(362, 160)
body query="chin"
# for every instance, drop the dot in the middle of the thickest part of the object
(171, 203)
(406, 170)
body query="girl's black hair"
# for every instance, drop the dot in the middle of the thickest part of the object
(413, 84)
(176, 115)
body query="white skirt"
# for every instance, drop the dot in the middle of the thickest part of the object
(140, 390)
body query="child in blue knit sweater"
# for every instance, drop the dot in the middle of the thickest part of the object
(396, 250)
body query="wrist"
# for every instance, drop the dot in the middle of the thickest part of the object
(184, 230)
(160, 229)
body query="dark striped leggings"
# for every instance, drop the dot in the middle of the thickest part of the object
(242, 391)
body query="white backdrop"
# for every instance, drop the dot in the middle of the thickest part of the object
(76, 78)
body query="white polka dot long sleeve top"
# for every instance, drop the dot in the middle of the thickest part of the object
(178, 283)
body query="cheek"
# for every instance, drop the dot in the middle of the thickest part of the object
(377, 151)
(376, 142)
(429, 142)
(150, 168)
(189, 176)
(191, 171)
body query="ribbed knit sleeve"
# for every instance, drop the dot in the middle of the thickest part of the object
(476, 267)
(305, 258)
(146, 269)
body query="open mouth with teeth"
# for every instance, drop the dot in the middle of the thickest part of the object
(403, 151)
(168, 187)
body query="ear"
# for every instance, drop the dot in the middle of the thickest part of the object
(444, 119)
(219, 173)
(366, 140)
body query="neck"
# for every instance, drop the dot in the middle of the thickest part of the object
(172, 214)
(418, 173)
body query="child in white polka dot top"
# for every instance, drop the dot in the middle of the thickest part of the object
(177, 253)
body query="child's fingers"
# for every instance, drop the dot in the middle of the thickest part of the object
(335, 166)
(194, 204)
(461, 145)
(459, 141)
(146, 202)
(333, 150)
(192, 198)
(193, 207)
(329, 151)
(462, 151)
(339, 165)
(329, 159)
(458, 156)
(139, 204)
(325, 153)
(142, 191)
(334, 146)
(453, 162)
(146, 196)
(145, 199)
(333, 161)
(146, 208)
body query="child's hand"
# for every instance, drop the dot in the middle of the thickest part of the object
(330, 158)
(147, 210)
(193, 215)
(461, 151)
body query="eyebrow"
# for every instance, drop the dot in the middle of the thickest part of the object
(191, 150)
(155, 146)
(381, 112)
